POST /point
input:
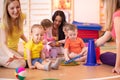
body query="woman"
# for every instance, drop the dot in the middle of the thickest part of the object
(11, 30)
(112, 30)
(59, 20)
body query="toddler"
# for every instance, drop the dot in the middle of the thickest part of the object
(65, 29)
(33, 51)
(74, 45)
(49, 41)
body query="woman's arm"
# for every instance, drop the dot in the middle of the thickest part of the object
(117, 32)
(103, 39)
(3, 38)
(8, 52)
(24, 38)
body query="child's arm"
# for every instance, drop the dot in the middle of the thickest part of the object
(66, 54)
(29, 59)
(84, 51)
(42, 54)
(62, 41)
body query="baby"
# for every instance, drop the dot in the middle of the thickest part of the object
(49, 41)
(33, 51)
(74, 45)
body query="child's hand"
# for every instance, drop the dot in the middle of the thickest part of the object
(32, 67)
(58, 44)
(44, 42)
(52, 44)
(67, 58)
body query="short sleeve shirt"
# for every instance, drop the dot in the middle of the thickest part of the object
(116, 14)
(74, 46)
(34, 48)
(12, 41)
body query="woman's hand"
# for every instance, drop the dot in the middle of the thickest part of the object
(116, 70)
(13, 58)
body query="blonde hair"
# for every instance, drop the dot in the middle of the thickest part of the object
(8, 23)
(71, 27)
(66, 27)
(36, 26)
(111, 7)
(46, 23)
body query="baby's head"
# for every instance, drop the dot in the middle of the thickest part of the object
(46, 24)
(65, 28)
(72, 31)
(37, 33)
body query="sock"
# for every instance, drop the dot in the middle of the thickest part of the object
(47, 66)
(55, 65)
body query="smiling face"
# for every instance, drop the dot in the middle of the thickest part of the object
(14, 9)
(37, 34)
(57, 21)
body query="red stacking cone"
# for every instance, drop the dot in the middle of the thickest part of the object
(91, 56)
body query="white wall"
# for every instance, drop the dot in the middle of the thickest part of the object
(86, 11)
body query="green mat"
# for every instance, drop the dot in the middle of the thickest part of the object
(74, 63)
(50, 79)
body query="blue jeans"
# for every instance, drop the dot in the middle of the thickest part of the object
(34, 61)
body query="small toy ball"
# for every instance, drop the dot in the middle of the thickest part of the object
(20, 73)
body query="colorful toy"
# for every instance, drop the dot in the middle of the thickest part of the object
(73, 59)
(73, 63)
(20, 73)
(91, 55)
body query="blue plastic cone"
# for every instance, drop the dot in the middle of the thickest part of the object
(91, 56)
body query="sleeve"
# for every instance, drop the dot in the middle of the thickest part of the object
(67, 42)
(28, 45)
(116, 14)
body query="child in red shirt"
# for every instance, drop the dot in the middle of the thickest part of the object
(74, 45)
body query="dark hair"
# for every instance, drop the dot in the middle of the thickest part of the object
(61, 14)
(118, 4)
(60, 29)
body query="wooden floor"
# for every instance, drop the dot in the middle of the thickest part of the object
(80, 72)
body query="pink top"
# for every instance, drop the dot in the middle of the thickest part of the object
(48, 36)
(116, 14)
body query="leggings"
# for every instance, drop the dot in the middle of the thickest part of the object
(108, 58)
